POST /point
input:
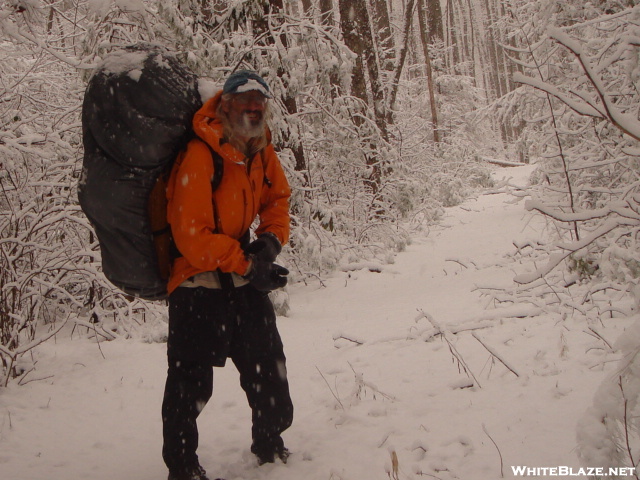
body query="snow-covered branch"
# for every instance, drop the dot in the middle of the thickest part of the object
(580, 107)
(624, 121)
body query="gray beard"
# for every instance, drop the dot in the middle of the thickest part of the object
(246, 128)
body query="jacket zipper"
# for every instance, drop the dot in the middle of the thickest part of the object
(246, 200)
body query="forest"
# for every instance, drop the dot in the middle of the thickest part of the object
(385, 112)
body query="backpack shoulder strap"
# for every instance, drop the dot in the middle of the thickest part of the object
(218, 171)
(218, 168)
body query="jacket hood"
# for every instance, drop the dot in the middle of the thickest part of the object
(205, 119)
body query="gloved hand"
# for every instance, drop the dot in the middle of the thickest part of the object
(266, 276)
(266, 247)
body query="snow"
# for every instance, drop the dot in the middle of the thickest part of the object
(376, 362)
(121, 61)
(252, 84)
(207, 88)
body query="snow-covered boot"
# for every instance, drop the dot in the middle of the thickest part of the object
(272, 455)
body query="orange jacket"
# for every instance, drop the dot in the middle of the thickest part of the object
(206, 225)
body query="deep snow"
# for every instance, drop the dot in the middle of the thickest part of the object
(366, 385)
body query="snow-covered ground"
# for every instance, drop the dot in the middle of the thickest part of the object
(370, 381)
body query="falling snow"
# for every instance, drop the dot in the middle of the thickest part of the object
(375, 363)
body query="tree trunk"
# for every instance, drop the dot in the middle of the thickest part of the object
(356, 31)
(326, 12)
(408, 16)
(424, 34)
(366, 46)
(354, 42)
(434, 21)
(385, 36)
(451, 42)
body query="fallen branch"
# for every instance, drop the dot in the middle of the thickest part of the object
(501, 163)
(447, 335)
(462, 263)
(495, 354)
(330, 389)
(597, 334)
(362, 384)
(342, 336)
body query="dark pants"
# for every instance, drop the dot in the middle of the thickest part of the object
(205, 327)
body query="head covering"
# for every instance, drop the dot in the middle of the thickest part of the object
(246, 81)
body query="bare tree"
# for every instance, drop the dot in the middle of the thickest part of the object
(592, 188)
(425, 37)
(433, 12)
(356, 30)
(385, 37)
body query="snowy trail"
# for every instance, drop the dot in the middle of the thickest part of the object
(365, 384)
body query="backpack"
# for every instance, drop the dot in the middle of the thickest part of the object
(136, 118)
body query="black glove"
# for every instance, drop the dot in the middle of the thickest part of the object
(266, 276)
(266, 247)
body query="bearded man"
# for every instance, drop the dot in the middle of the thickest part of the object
(218, 305)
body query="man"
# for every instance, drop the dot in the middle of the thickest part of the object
(218, 305)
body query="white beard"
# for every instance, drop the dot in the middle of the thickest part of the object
(249, 128)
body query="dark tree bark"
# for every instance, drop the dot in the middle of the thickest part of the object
(356, 32)
(385, 35)
(434, 21)
(408, 16)
(424, 34)
(326, 12)
(353, 40)
(452, 43)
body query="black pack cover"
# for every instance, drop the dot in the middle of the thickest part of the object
(136, 117)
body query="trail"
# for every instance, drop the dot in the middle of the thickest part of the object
(367, 387)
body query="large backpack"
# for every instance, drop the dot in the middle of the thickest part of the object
(136, 118)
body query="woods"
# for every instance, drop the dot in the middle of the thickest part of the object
(384, 112)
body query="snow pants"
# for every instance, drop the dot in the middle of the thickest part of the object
(207, 326)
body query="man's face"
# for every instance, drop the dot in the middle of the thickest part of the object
(246, 113)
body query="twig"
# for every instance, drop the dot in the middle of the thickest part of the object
(330, 389)
(37, 379)
(461, 263)
(92, 326)
(421, 473)
(600, 337)
(98, 342)
(626, 426)
(447, 336)
(338, 337)
(495, 354)
(361, 383)
(384, 440)
(484, 429)
(23, 376)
